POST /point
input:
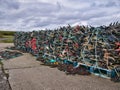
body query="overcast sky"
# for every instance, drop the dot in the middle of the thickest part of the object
(40, 14)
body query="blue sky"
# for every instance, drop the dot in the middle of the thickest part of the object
(27, 15)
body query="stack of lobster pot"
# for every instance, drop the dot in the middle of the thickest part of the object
(92, 46)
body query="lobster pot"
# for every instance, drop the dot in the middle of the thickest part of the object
(92, 46)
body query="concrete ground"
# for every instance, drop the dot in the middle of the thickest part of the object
(25, 73)
(4, 83)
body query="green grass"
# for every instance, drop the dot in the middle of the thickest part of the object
(1, 63)
(1, 36)
(10, 33)
(7, 35)
(6, 41)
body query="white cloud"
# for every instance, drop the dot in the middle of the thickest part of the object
(80, 23)
(40, 14)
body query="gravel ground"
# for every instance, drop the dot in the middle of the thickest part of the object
(25, 73)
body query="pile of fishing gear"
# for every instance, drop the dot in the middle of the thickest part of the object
(75, 50)
(5, 55)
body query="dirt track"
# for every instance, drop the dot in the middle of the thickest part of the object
(27, 74)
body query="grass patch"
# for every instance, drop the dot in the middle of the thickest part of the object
(7, 41)
(1, 63)
(9, 33)
(1, 36)
(6, 36)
